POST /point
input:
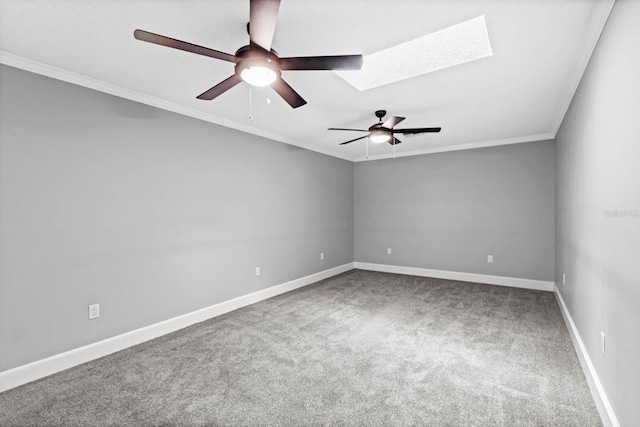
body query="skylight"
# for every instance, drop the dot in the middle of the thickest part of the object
(455, 45)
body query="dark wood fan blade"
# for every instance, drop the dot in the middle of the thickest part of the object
(348, 142)
(337, 62)
(262, 22)
(355, 130)
(392, 121)
(220, 88)
(288, 94)
(395, 141)
(146, 36)
(413, 131)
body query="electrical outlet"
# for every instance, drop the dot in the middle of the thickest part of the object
(321, 255)
(602, 342)
(257, 271)
(388, 251)
(94, 311)
(490, 259)
(564, 279)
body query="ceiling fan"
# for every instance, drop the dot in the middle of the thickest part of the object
(256, 63)
(384, 132)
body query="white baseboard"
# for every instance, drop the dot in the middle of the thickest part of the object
(514, 282)
(59, 362)
(599, 396)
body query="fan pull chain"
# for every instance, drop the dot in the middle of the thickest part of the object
(367, 145)
(250, 105)
(394, 147)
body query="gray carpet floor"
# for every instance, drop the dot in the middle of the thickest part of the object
(361, 348)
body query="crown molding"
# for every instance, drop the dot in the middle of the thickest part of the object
(469, 146)
(113, 89)
(581, 66)
(36, 67)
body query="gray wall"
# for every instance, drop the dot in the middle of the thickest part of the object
(149, 213)
(448, 211)
(598, 170)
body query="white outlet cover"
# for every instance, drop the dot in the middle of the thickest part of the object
(257, 271)
(564, 279)
(94, 311)
(321, 255)
(388, 251)
(489, 258)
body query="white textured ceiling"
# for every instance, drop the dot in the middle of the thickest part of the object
(520, 93)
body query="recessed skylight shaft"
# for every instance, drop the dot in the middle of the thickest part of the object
(461, 43)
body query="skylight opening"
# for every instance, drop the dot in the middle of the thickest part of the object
(455, 45)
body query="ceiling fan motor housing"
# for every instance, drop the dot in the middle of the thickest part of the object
(379, 133)
(385, 132)
(249, 57)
